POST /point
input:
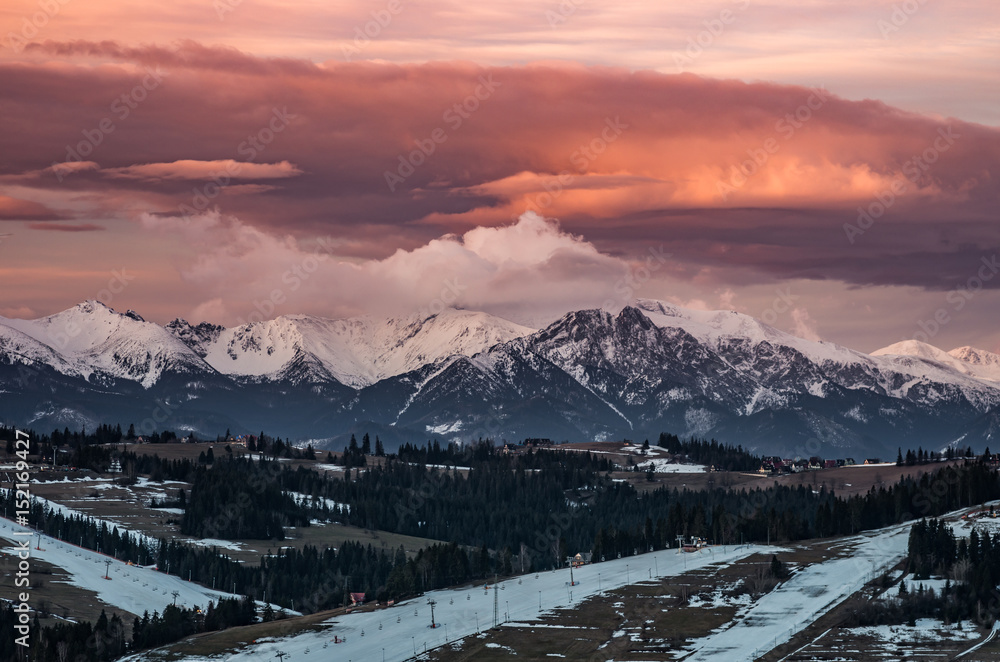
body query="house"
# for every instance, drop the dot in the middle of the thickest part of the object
(873, 460)
(694, 545)
(357, 599)
(582, 558)
(841, 463)
(770, 465)
(243, 439)
(535, 441)
(849, 462)
(815, 463)
(830, 464)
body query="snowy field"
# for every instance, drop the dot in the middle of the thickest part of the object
(660, 465)
(795, 604)
(68, 512)
(899, 640)
(404, 629)
(133, 588)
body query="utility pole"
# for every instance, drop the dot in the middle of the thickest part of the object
(281, 655)
(432, 603)
(496, 603)
(175, 594)
(107, 565)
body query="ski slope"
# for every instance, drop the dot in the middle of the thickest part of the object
(405, 628)
(798, 602)
(133, 588)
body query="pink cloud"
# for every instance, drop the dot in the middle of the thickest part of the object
(626, 159)
(13, 209)
(66, 227)
(191, 169)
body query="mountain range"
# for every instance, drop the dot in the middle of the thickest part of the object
(461, 375)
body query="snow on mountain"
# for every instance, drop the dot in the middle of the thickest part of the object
(969, 361)
(197, 337)
(985, 365)
(463, 374)
(918, 349)
(18, 347)
(356, 352)
(922, 363)
(716, 328)
(92, 338)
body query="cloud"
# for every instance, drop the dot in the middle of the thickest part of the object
(13, 209)
(66, 227)
(529, 271)
(206, 170)
(841, 43)
(805, 326)
(741, 182)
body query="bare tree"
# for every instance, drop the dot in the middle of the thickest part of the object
(960, 571)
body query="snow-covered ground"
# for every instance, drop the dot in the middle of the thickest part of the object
(903, 642)
(133, 588)
(661, 466)
(307, 500)
(795, 604)
(68, 512)
(400, 630)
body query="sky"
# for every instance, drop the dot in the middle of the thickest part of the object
(829, 167)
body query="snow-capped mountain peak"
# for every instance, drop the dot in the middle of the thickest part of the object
(356, 351)
(985, 365)
(965, 360)
(717, 328)
(651, 367)
(92, 338)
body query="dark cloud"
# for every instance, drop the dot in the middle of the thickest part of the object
(627, 159)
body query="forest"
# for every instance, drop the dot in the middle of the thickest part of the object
(970, 567)
(496, 513)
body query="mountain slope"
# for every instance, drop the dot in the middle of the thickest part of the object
(91, 339)
(356, 352)
(461, 375)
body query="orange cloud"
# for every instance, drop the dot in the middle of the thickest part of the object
(13, 209)
(191, 169)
